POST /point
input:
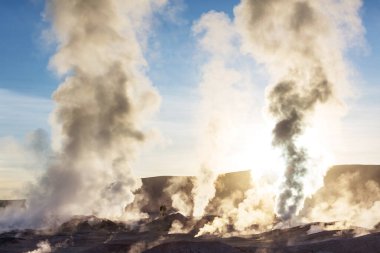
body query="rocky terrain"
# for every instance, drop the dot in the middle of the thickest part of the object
(89, 234)
(155, 234)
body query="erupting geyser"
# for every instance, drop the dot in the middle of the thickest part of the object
(301, 42)
(223, 106)
(100, 108)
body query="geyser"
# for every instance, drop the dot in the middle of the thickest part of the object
(302, 43)
(99, 111)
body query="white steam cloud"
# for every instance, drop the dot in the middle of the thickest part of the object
(224, 104)
(302, 44)
(100, 110)
(351, 198)
(42, 247)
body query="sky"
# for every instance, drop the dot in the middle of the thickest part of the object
(27, 84)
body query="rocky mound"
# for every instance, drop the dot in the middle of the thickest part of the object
(154, 194)
(82, 224)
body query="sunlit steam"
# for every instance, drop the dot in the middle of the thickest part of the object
(301, 43)
(224, 107)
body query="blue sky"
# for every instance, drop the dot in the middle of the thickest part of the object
(26, 83)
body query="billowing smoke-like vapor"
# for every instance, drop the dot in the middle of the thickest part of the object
(223, 107)
(99, 111)
(290, 106)
(301, 42)
(252, 215)
(181, 200)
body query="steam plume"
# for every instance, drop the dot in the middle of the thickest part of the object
(223, 108)
(349, 195)
(100, 108)
(301, 42)
(290, 107)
